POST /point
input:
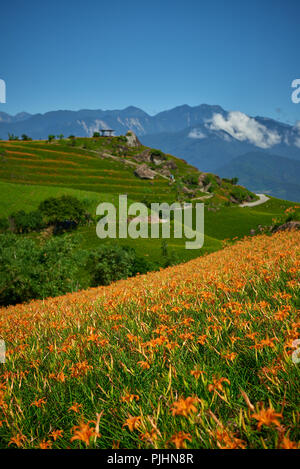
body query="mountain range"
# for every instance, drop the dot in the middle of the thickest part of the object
(231, 143)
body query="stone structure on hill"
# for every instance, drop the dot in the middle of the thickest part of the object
(144, 172)
(132, 140)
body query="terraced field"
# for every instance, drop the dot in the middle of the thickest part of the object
(39, 163)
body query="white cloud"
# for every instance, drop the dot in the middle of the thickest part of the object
(296, 130)
(242, 127)
(196, 133)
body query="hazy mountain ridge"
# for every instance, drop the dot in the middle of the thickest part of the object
(207, 136)
(273, 174)
(198, 123)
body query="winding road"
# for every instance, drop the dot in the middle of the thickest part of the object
(262, 199)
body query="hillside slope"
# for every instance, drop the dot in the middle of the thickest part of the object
(193, 356)
(99, 169)
(106, 165)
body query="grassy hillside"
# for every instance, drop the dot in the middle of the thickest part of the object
(105, 165)
(195, 356)
(99, 169)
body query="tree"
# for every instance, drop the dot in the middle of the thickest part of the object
(12, 137)
(73, 140)
(65, 212)
(50, 138)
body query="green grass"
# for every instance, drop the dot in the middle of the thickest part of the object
(16, 197)
(31, 172)
(37, 163)
(225, 223)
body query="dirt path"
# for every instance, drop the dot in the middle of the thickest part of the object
(262, 199)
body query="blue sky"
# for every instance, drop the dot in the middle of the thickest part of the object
(242, 55)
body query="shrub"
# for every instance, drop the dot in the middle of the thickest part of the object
(142, 266)
(240, 193)
(22, 222)
(157, 154)
(25, 138)
(29, 271)
(191, 179)
(12, 137)
(4, 224)
(122, 138)
(110, 263)
(233, 181)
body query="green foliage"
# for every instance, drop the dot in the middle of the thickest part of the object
(25, 138)
(110, 263)
(29, 271)
(96, 134)
(12, 137)
(64, 211)
(191, 179)
(233, 181)
(158, 154)
(122, 138)
(240, 193)
(169, 257)
(22, 222)
(3, 224)
(51, 137)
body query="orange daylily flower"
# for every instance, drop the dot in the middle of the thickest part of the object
(17, 440)
(39, 402)
(144, 365)
(55, 434)
(184, 406)
(132, 423)
(267, 417)
(130, 397)
(288, 444)
(227, 440)
(217, 384)
(75, 407)
(149, 436)
(197, 373)
(179, 439)
(45, 444)
(84, 432)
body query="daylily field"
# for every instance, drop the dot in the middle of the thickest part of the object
(194, 356)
